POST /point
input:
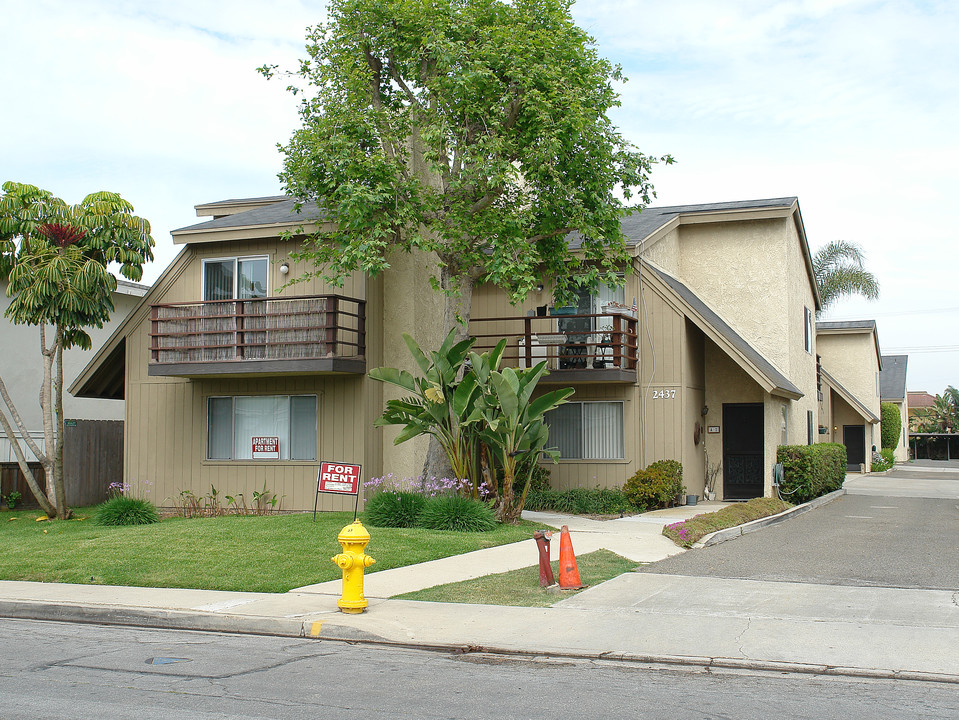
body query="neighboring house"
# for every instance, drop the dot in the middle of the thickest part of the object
(849, 409)
(709, 347)
(892, 389)
(917, 401)
(22, 371)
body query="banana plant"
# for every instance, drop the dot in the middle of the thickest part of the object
(511, 425)
(437, 403)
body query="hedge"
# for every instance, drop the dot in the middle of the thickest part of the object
(811, 470)
(891, 424)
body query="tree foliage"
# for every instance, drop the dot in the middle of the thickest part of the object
(472, 129)
(840, 271)
(55, 260)
(942, 417)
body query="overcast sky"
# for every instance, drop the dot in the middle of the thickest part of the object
(851, 106)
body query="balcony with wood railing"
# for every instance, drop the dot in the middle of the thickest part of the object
(313, 334)
(585, 348)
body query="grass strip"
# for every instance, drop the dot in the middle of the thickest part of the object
(521, 587)
(688, 532)
(243, 553)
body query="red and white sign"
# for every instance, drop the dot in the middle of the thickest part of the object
(266, 448)
(338, 478)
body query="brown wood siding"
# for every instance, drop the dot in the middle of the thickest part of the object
(166, 436)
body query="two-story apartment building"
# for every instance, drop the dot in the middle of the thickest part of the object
(849, 409)
(707, 349)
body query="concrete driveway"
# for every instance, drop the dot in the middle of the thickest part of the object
(870, 580)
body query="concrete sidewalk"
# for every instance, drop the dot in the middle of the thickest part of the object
(643, 617)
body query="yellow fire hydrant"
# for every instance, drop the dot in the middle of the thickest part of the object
(354, 538)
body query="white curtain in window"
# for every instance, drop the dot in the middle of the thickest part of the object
(566, 430)
(220, 429)
(218, 279)
(605, 294)
(267, 416)
(603, 430)
(303, 430)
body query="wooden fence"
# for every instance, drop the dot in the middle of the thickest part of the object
(92, 459)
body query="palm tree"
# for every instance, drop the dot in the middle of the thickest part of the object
(839, 271)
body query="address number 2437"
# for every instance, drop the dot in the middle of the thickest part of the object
(664, 394)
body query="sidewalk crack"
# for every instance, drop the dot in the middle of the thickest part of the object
(739, 639)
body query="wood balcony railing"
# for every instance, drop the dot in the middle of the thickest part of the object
(272, 332)
(598, 347)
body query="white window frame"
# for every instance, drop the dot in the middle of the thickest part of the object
(807, 329)
(316, 424)
(236, 271)
(622, 417)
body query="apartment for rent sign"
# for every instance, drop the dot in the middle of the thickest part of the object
(339, 478)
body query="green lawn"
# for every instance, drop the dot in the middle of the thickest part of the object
(521, 587)
(262, 554)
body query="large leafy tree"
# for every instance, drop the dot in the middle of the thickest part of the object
(54, 257)
(474, 131)
(840, 270)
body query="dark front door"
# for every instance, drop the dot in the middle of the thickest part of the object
(742, 451)
(854, 438)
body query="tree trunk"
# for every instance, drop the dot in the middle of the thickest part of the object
(456, 314)
(46, 408)
(21, 458)
(63, 512)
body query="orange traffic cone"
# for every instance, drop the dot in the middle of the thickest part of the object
(568, 572)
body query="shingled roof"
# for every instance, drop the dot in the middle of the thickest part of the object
(892, 377)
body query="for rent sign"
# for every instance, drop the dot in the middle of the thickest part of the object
(338, 478)
(266, 448)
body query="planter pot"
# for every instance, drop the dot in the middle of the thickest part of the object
(692, 499)
(710, 496)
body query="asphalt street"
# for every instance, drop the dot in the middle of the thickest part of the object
(856, 540)
(64, 671)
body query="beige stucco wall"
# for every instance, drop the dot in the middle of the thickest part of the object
(852, 358)
(726, 382)
(753, 273)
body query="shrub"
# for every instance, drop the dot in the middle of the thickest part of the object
(455, 512)
(891, 425)
(579, 501)
(811, 470)
(883, 460)
(656, 486)
(674, 468)
(120, 510)
(394, 509)
(13, 499)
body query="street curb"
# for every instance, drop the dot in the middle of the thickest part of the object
(162, 619)
(721, 536)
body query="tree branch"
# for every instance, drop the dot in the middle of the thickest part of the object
(24, 433)
(24, 466)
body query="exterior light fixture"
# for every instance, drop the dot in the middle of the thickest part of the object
(285, 267)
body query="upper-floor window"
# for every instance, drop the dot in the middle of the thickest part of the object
(236, 278)
(807, 329)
